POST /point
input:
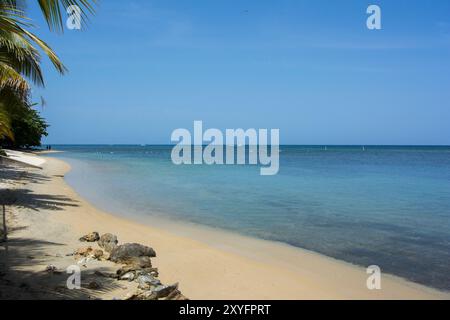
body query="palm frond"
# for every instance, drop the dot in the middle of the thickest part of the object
(18, 53)
(53, 9)
(10, 78)
(16, 45)
(48, 51)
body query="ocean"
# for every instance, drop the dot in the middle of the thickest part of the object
(385, 206)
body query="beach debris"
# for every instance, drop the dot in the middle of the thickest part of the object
(126, 253)
(90, 237)
(107, 242)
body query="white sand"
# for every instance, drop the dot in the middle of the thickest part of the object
(208, 264)
(25, 158)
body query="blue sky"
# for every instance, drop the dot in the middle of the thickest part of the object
(310, 68)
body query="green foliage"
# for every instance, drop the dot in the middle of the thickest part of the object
(24, 126)
(28, 128)
(5, 125)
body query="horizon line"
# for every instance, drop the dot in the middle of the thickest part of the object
(287, 144)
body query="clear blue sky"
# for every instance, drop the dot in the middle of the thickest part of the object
(310, 68)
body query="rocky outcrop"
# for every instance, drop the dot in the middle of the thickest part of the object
(136, 266)
(132, 253)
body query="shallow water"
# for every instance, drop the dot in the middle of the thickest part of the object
(388, 206)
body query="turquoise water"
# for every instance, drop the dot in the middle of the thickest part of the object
(388, 206)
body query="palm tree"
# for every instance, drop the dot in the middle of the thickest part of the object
(20, 50)
(5, 125)
(20, 56)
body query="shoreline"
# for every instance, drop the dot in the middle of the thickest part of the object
(211, 263)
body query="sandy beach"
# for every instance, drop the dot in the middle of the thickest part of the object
(47, 217)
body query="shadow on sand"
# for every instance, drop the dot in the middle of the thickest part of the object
(18, 196)
(20, 256)
(17, 281)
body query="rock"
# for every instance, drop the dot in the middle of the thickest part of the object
(138, 262)
(128, 276)
(94, 285)
(108, 242)
(138, 271)
(148, 295)
(98, 254)
(87, 253)
(158, 292)
(83, 252)
(154, 272)
(164, 291)
(91, 237)
(146, 281)
(120, 272)
(125, 252)
(141, 295)
(129, 296)
(176, 295)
